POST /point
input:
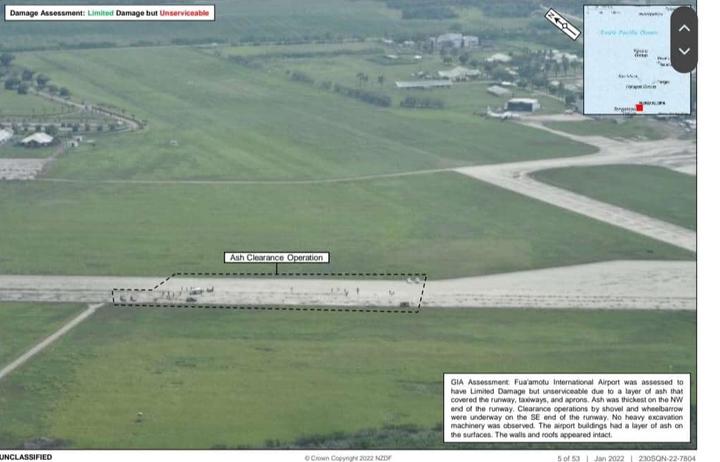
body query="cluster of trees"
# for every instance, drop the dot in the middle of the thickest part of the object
(22, 80)
(363, 79)
(370, 97)
(537, 66)
(298, 76)
(422, 103)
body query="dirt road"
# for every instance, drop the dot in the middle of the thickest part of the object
(37, 348)
(607, 285)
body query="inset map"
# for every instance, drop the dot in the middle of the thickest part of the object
(627, 62)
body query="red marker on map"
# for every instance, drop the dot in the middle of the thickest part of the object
(639, 107)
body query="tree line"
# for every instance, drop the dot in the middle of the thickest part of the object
(22, 80)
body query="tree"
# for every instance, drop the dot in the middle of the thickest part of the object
(27, 74)
(381, 79)
(565, 64)
(23, 88)
(6, 59)
(64, 92)
(42, 80)
(555, 67)
(447, 59)
(11, 83)
(362, 78)
(51, 130)
(464, 58)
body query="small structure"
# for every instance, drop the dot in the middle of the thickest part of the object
(451, 40)
(5, 135)
(423, 84)
(37, 139)
(455, 40)
(497, 90)
(522, 105)
(470, 41)
(499, 58)
(558, 57)
(459, 73)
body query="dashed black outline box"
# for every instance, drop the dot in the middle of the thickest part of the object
(406, 310)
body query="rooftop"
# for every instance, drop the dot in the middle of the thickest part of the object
(38, 137)
(423, 83)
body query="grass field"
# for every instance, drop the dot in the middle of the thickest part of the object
(12, 104)
(208, 378)
(463, 97)
(24, 324)
(231, 121)
(631, 129)
(216, 119)
(653, 191)
(444, 224)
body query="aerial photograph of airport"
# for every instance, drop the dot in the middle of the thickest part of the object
(439, 198)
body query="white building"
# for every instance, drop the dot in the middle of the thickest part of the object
(499, 58)
(423, 84)
(459, 73)
(470, 41)
(37, 139)
(454, 40)
(450, 40)
(498, 90)
(5, 135)
(558, 56)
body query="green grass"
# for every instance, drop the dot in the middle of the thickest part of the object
(209, 378)
(462, 97)
(12, 151)
(444, 224)
(13, 104)
(231, 121)
(653, 191)
(24, 324)
(630, 129)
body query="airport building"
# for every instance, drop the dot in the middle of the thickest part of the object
(423, 84)
(37, 139)
(5, 135)
(497, 90)
(522, 105)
